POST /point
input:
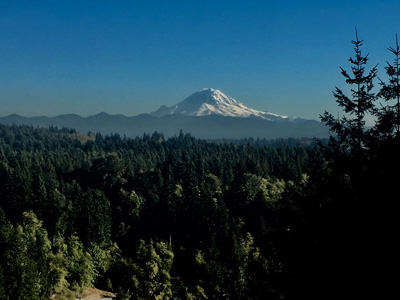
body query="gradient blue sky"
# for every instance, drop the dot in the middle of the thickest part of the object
(131, 57)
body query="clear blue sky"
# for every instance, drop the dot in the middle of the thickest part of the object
(131, 57)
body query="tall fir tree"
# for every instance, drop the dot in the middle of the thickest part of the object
(350, 129)
(388, 117)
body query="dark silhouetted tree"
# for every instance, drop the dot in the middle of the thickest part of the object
(388, 121)
(350, 129)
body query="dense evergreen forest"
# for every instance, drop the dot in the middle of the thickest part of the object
(183, 218)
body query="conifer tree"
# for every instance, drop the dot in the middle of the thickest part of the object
(350, 129)
(388, 123)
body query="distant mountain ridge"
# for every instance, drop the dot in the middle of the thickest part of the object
(206, 114)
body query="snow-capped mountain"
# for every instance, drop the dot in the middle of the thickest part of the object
(214, 102)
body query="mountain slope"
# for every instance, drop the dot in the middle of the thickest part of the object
(214, 102)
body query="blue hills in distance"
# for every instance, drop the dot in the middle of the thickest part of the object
(206, 114)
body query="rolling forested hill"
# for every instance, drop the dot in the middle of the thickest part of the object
(139, 216)
(182, 218)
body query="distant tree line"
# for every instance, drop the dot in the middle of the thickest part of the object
(183, 218)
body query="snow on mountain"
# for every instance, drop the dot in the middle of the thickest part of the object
(214, 102)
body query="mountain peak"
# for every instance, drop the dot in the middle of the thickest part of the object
(209, 101)
(212, 91)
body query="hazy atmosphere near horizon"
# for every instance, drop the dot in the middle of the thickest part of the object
(131, 57)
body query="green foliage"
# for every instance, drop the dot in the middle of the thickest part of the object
(79, 263)
(25, 262)
(147, 275)
(153, 264)
(73, 268)
(206, 209)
